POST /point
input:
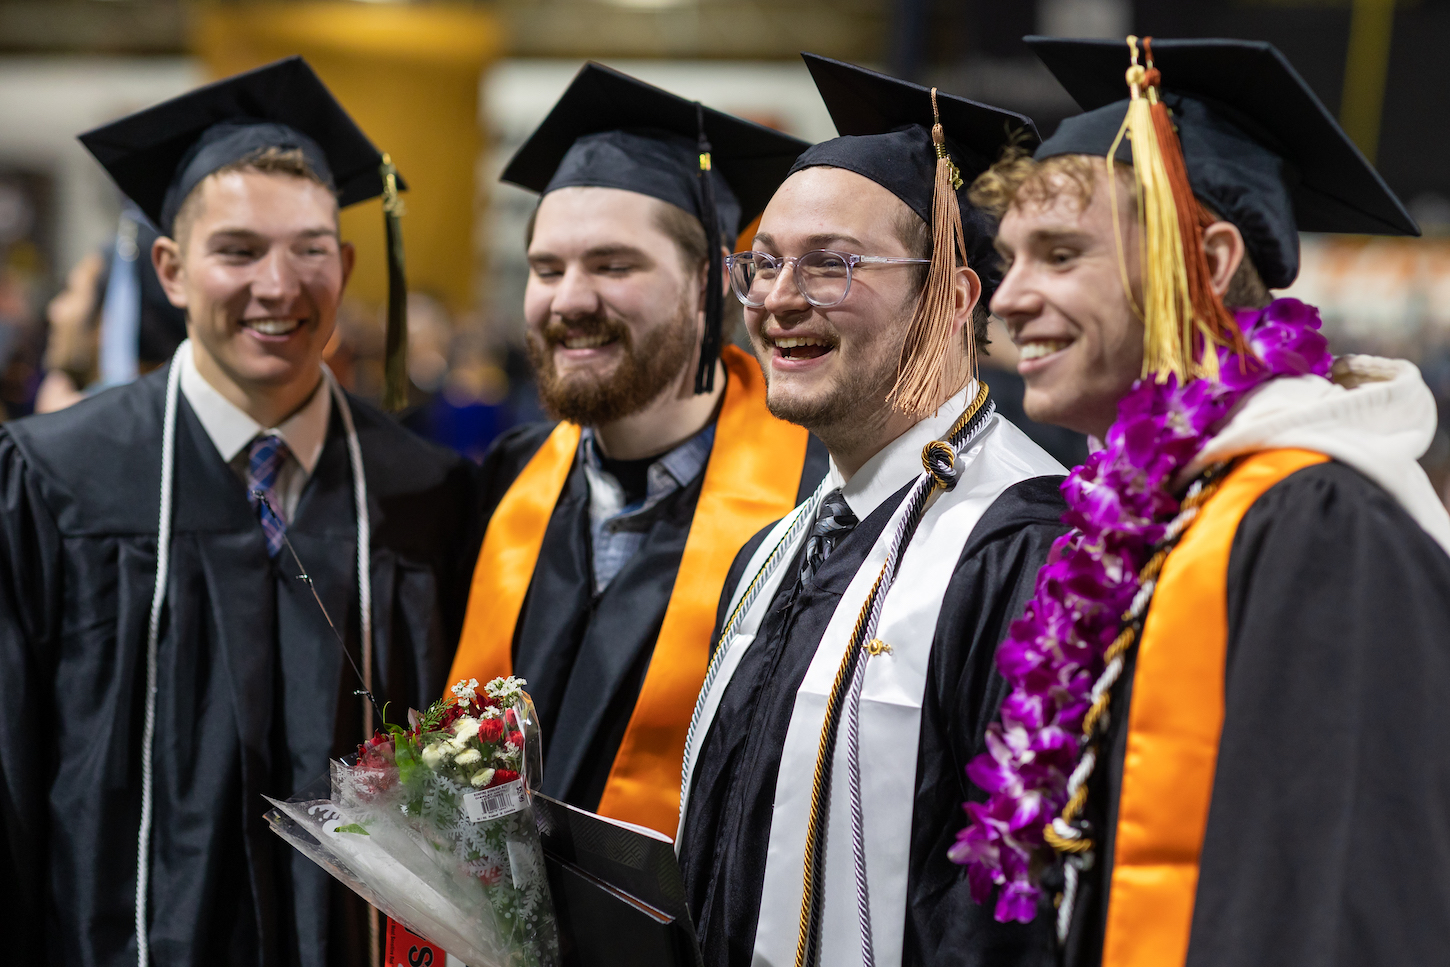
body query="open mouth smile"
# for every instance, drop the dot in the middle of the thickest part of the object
(272, 327)
(800, 347)
(1036, 354)
(585, 342)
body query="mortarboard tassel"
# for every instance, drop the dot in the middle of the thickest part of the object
(1183, 318)
(926, 377)
(714, 280)
(395, 358)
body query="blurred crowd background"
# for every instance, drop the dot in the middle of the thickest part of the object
(451, 88)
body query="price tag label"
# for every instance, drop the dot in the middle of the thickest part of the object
(486, 804)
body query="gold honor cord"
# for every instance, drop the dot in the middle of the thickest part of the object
(812, 888)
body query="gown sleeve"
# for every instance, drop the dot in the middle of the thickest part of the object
(29, 595)
(1328, 838)
(990, 586)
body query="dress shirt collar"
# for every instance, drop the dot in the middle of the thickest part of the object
(683, 463)
(899, 462)
(231, 430)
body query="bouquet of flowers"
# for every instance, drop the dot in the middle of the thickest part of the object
(433, 826)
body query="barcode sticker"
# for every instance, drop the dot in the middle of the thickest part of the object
(486, 804)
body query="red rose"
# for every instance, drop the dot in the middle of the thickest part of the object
(512, 717)
(501, 776)
(490, 730)
(516, 739)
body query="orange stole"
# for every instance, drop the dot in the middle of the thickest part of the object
(1174, 722)
(750, 480)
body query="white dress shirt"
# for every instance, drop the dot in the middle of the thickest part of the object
(232, 432)
(899, 462)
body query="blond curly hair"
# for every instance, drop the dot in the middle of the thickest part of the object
(1017, 178)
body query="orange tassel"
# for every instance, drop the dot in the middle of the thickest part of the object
(1193, 218)
(929, 371)
(1183, 318)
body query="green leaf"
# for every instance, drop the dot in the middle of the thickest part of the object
(352, 828)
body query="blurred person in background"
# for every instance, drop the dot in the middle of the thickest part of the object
(609, 532)
(156, 680)
(459, 393)
(111, 323)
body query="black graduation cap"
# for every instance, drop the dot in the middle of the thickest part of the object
(885, 125)
(609, 130)
(1259, 146)
(158, 156)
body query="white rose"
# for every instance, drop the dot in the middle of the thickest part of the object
(482, 778)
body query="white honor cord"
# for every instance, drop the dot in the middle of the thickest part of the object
(153, 638)
(158, 598)
(364, 542)
(925, 490)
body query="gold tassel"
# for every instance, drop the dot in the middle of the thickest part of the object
(1183, 319)
(928, 373)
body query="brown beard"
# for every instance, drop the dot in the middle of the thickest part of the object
(645, 371)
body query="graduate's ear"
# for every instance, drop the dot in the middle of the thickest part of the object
(966, 293)
(166, 258)
(1224, 248)
(349, 259)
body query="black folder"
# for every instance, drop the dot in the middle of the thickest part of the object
(617, 890)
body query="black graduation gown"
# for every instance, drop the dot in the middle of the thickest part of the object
(254, 694)
(1328, 839)
(584, 654)
(727, 830)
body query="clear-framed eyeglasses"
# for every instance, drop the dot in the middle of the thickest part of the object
(822, 276)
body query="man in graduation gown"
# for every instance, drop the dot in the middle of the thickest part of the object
(159, 699)
(609, 532)
(1267, 784)
(865, 322)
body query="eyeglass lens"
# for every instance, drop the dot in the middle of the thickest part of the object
(823, 277)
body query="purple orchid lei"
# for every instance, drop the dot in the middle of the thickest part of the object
(1120, 503)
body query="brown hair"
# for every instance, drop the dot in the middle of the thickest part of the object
(270, 161)
(1017, 178)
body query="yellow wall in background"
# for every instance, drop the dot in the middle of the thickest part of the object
(409, 75)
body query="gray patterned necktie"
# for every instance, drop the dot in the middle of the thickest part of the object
(833, 522)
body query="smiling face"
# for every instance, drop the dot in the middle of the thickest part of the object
(260, 271)
(1063, 302)
(830, 370)
(614, 314)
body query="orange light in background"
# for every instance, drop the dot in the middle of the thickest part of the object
(409, 75)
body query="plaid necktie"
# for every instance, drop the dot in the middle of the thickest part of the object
(833, 522)
(264, 460)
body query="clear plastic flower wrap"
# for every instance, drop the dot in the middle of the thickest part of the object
(433, 826)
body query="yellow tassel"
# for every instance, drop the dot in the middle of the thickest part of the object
(1175, 340)
(930, 370)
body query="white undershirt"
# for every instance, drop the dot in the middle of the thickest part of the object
(232, 432)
